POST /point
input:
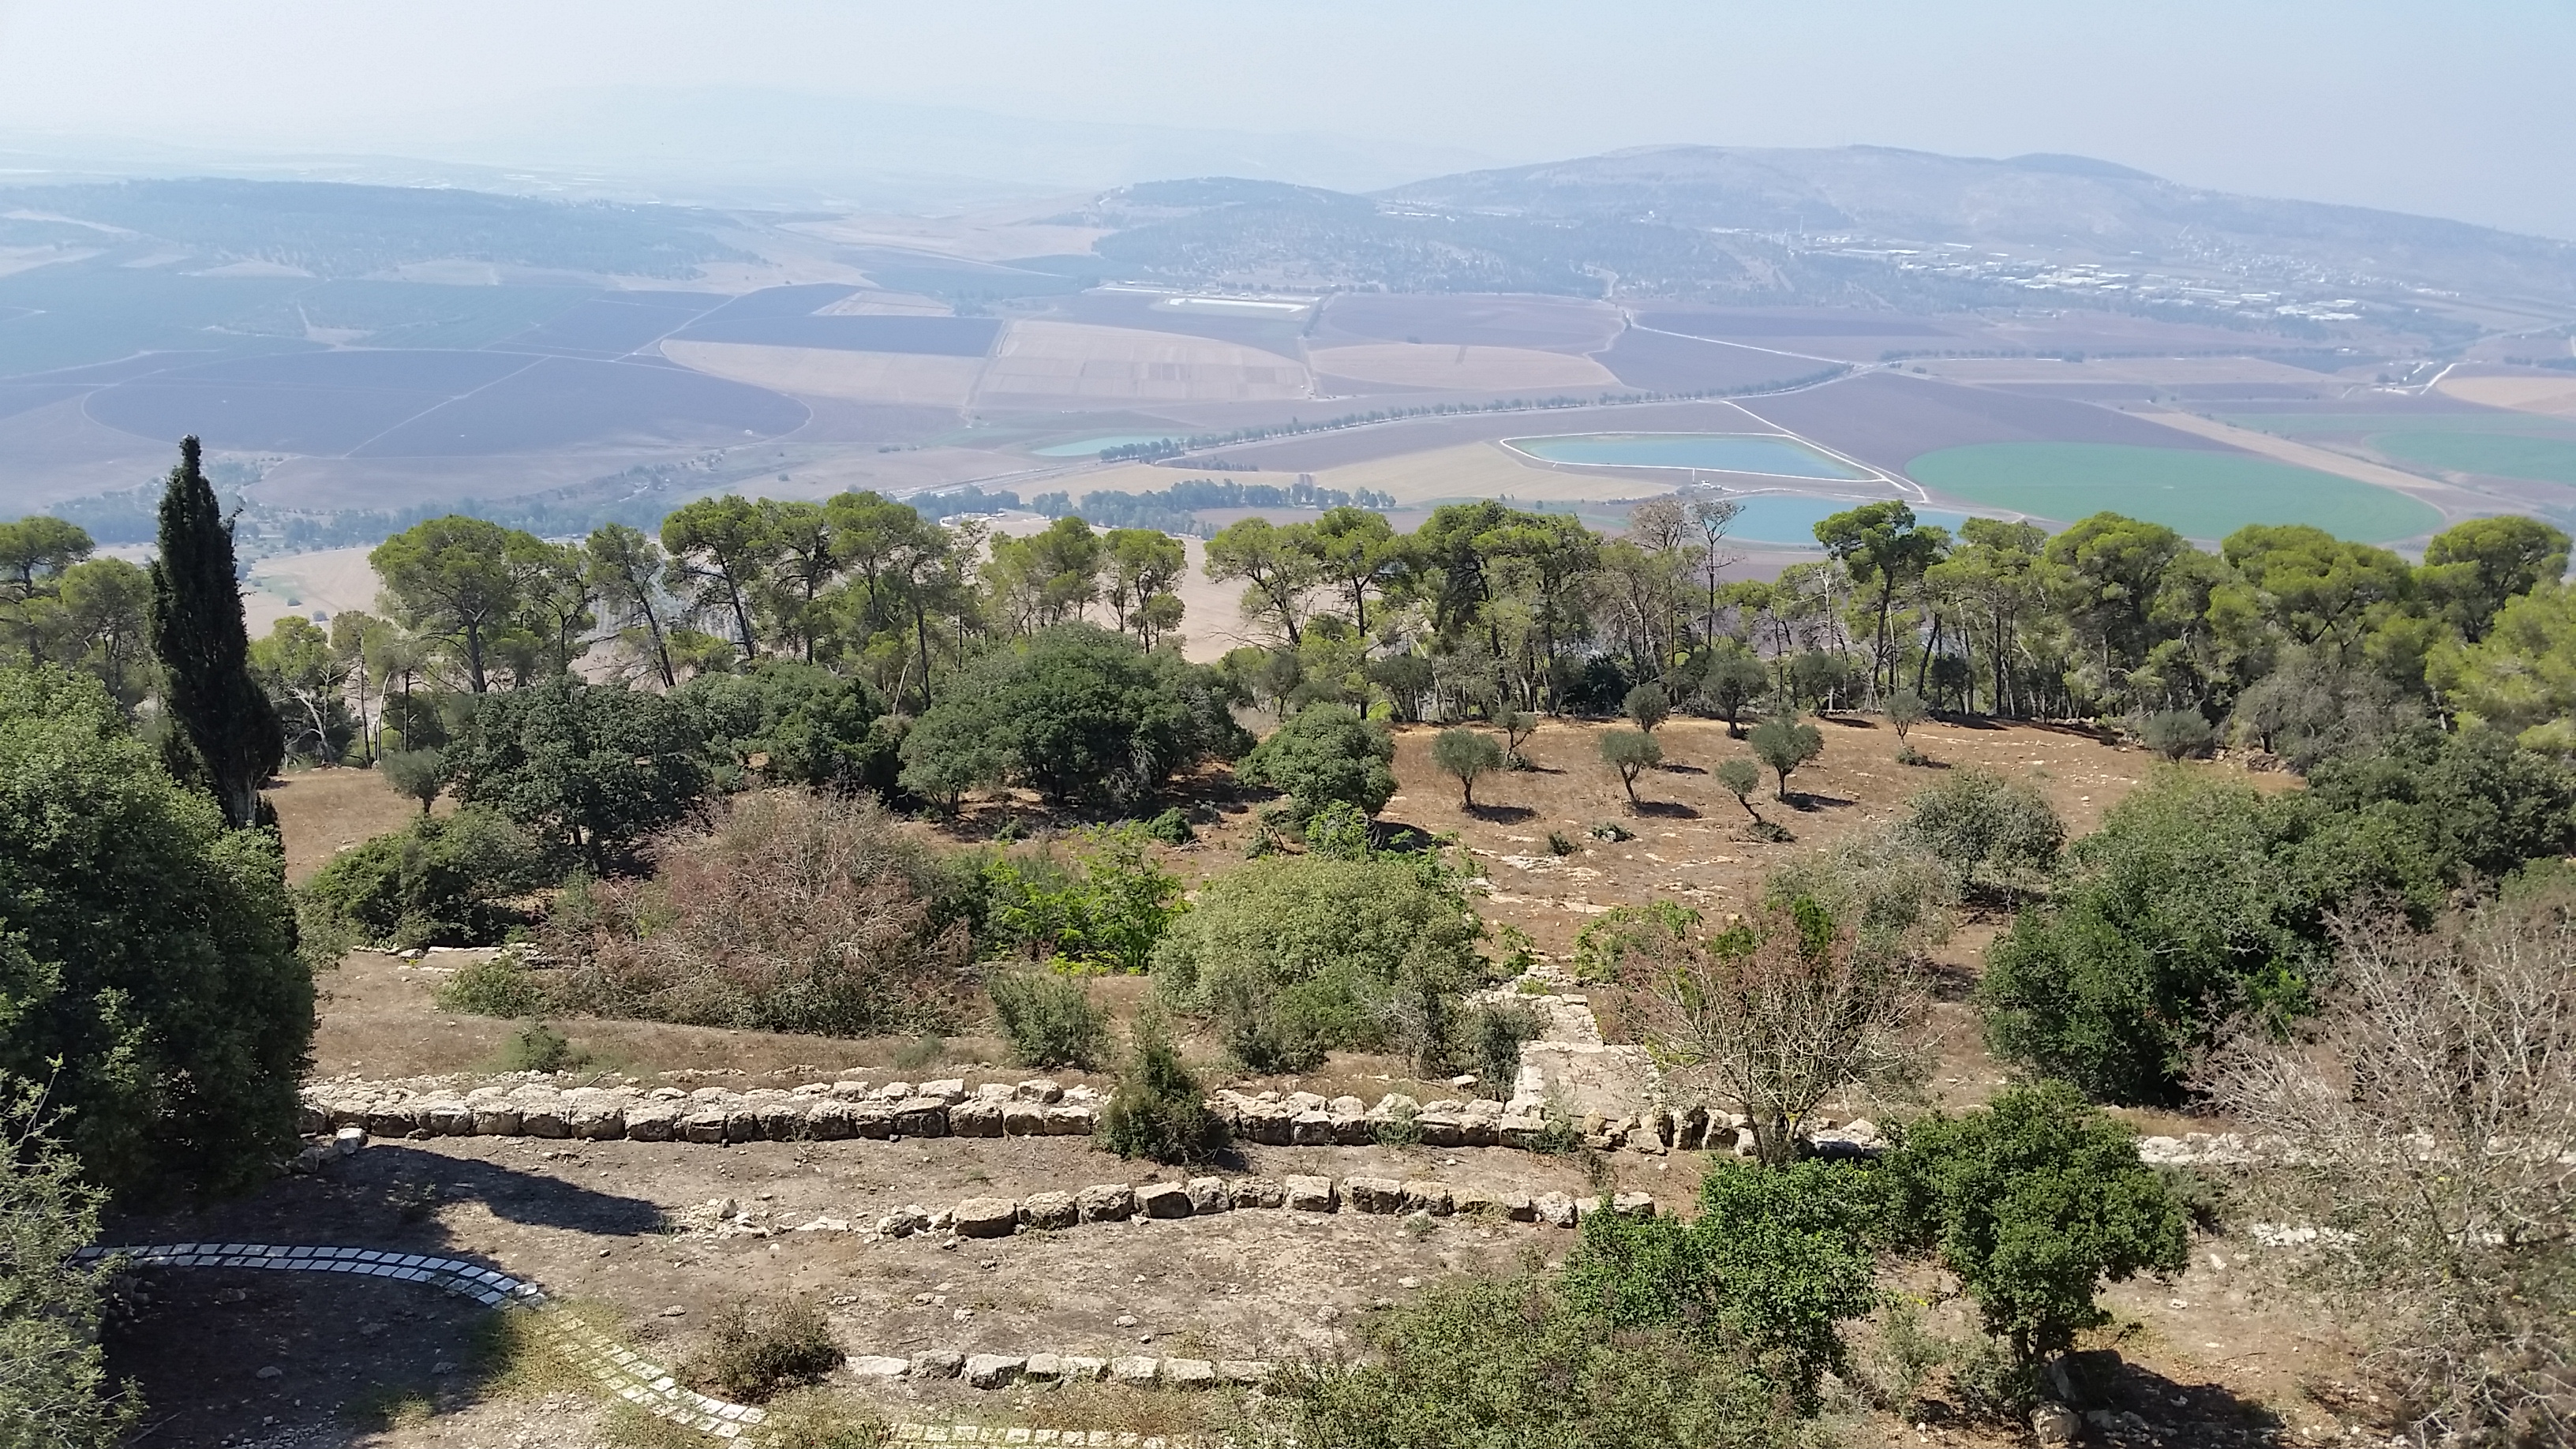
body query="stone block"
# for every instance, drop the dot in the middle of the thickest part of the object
(1639, 1205)
(1050, 1210)
(1423, 1196)
(1269, 1125)
(1356, 1130)
(938, 1363)
(545, 1119)
(1024, 1119)
(947, 1090)
(1070, 1121)
(348, 1140)
(828, 1120)
(987, 1217)
(1555, 1209)
(1042, 1368)
(1310, 1194)
(597, 1121)
(449, 1119)
(1440, 1129)
(1248, 1371)
(496, 1121)
(1373, 1194)
(703, 1125)
(742, 1122)
(396, 1120)
(993, 1370)
(1081, 1369)
(1134, 1369)
(1106, 1202)
(923, 1116)
(651, 1122)
(873, 1121)
(1208, 1195)
(1346, 1107)
(977, 1118)
(1311, 1129)
(1257, 1192)
(993, 1092)
(1038, 1089)
(876, 1366)
(1163, 1200)
(1189, 1373)
(1521, 1131)
(781, 1121)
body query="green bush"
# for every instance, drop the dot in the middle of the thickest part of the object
(1995, 833)
(760, 1347)
(2177, 733)
(146, 947)
(1295, 955)
(2035, 1202)
(1775, 1260)
(537, 1047)
(1325, 755)
(1172, 827)
(1159, 1110)
(591, 769)
(1491, 1041)
(1341, 832)
(1048, 1018)
(1467, 754)
(1484, 1363)
(1782, 746)
(498, 985)
(794, 724)
(1108, 908)
(1074, 711)
(54, 1389)
(415, 774)
(435, 882)
(1607, 938)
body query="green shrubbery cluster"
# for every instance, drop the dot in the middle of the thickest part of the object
(456, 881)
(1294, 956)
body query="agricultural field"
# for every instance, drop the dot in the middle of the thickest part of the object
(1458, 367)
(898, 378)
(2199, 493)
(1065, 364)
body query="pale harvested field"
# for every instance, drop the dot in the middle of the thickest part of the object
(1059, 360)
(2554, 396)
(876, 377)
(332, 581)
(1460, 367)
(2153, 371)
(885, 304)
(2444, 496)
(1480, 470)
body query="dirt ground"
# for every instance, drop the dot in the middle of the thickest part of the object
(2207, 1359)
(326, 809)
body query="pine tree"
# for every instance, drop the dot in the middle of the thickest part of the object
(204, 646)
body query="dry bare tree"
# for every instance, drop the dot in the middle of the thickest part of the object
(1772, 1015)
(2424, 1123)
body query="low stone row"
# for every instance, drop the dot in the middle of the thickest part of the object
(712, 1115)
(998, 1371)
(996, 1217)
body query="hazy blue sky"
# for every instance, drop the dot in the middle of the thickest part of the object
(2457, 110)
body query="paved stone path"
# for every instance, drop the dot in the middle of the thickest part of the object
(617, 1369)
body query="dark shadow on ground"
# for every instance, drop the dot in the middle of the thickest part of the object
(1502, 814)
(1849, 722)
(347, 1349)
(1670, 768)
(1666, 810)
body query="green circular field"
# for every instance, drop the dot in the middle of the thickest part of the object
(2498, 455)
(2197, 493)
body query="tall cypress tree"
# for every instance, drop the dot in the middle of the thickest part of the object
(204, 646)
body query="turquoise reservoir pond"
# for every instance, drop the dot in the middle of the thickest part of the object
(1715, 452)
(1094, 447)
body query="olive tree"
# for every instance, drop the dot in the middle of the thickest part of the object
(1467, 754)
